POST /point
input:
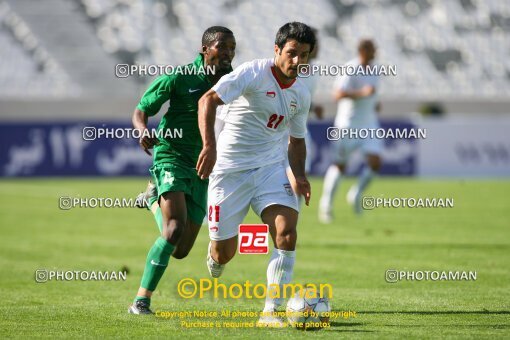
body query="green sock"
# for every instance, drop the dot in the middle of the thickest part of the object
(159, 219)
(152, 200)
(157, 261)
(143, 298)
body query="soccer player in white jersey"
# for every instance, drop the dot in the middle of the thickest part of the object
(311, 83)
(357, 106)
(265, 99)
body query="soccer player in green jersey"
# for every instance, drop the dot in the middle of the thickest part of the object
(181, 194)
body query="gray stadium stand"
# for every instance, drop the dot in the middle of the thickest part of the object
(442, 49)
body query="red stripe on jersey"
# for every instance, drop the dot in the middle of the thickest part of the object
(282, 86)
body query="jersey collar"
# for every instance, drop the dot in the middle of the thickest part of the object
(282, 85)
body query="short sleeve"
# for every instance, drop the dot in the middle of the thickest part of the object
(156, 95)
(233, 85)
(297, 124)
(344, 83)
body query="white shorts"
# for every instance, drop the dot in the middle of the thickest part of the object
(343, 148)
(231, 194)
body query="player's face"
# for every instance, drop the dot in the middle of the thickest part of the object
(221, 52)
(290, 56)
(367, 54)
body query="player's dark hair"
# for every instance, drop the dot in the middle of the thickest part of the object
(296, 31)
(210, 34)
(366, 44)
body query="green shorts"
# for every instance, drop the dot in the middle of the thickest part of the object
(174, 178)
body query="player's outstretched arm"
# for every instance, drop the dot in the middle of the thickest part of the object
(297, 156)
(365, 91)
(354, 94)
(140, 120)
(206, 117)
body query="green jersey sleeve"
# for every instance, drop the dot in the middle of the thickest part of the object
(156, 95)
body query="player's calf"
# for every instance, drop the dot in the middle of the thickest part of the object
(282, 223)
(186, 240)
(218, 254)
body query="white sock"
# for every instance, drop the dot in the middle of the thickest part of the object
(279, 271)
(331, 181)
(364, 180)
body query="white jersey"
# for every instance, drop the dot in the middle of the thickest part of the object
(356, 112)
(311, 82)
(260, 111)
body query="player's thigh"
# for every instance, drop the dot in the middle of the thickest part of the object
(342, 150)
(173, 184)
(173, 211)
(275, 201)
(173, 206)
(196, 203)
(372, 148)
(228, 201)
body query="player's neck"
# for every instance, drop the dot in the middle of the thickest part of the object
(282, 78)
(216, 76)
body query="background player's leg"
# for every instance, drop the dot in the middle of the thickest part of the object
(173, 210)
(331, 183)
(282, 223)
(355, 192)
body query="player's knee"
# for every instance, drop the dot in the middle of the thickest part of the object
(172, 230)
(286, 239)
(341, 168)
(374, 163)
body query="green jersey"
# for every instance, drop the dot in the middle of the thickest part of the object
(179, 137)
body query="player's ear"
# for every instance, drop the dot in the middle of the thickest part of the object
(205, 49)
(276, 50)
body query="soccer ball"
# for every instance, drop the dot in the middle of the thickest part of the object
(306, 310)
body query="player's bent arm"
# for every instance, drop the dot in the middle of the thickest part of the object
(139, 119)
(354, 94)
(340, 94)
(207, 106)
(297, 157)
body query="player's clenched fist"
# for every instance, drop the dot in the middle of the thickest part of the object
(206, 161)
(147, 142)
(303, 188)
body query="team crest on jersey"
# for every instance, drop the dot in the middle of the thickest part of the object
(288, 189)
(271, 94)
(293, 107)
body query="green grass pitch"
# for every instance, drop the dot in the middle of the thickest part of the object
(351, 254)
